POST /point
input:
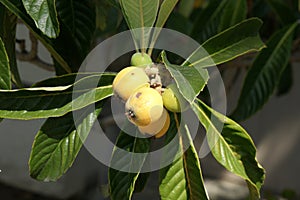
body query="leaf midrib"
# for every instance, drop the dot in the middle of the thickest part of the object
(221, 137)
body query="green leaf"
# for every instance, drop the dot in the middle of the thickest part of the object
(229, 44)
(264, 75)
(5, 75)
(207, 21)
(56, 50)
(8, 34)
(189, 80)
(78, 24)
(122, 183)
(44, 14)
(282, 10)
(69, 79)
(286, 81)
(33, 103)
(183, 178)
(179, 23)
(234, 12)
(165, 10)
(141, 182)
(231, 146)
(140, 14)
(58, 142)
(185, 8)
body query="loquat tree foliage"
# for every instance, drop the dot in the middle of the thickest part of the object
(264, 30)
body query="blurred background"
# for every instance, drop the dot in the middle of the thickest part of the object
(275, 130)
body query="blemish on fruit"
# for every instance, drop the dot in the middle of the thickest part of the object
(138, 95)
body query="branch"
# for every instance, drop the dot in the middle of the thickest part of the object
(31, 56)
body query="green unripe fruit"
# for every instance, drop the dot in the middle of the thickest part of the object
(140, 59)
(144, 106)
(128, 80)
(173, 100)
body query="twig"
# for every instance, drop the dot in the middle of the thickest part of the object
(31, 56)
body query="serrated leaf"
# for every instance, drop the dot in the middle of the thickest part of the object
(182, 179)
(207, 21)
(56, 49)
(140, 14)
(122, 181)
(229, 44)
(189, 80)
(231, 146)
(165, 10)
(264, 75)
(78, 21)
(58, 142)
(33, 103)
(234, 12)
(5, 75)
(8, 34)
(43, 12)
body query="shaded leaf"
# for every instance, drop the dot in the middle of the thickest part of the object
(57, 51)
(282, 10)
(33, 103)
(5, 75)
(234, 12)
(8, 34)
(286, 81)
(58, 142)
(183, 178)
(229, 44)
(207, 22)
(189, 80)
(44, 14)
(78, 21)
(179, 23)
(264, 75)
(141, 182)
(122, 181)
(231, 146)
(186, 7)
(140, 14)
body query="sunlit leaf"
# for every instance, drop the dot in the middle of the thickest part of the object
(44, 102)
(140, 14)
(231, 146)
(43, 12)
(58, 142)
(229, 44)
(165, 10)
(182, 179)
(189, 80)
